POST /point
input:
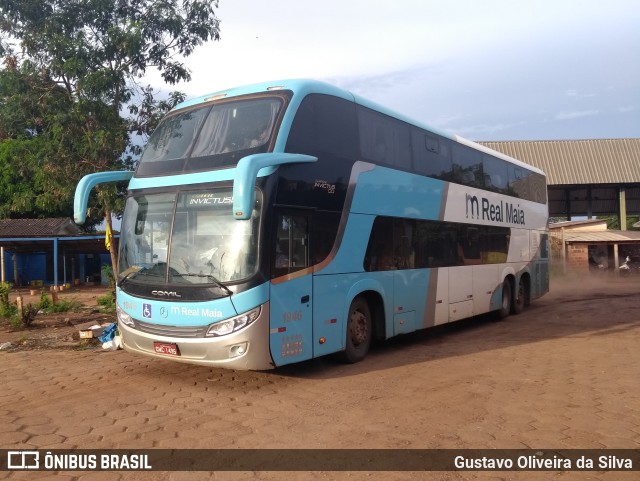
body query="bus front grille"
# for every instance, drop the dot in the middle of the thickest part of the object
(171, 331)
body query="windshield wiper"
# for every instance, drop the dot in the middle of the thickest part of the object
(148, 271)
(208, 276)
(130, 273)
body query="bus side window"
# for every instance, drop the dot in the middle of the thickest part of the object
(467, 166)
(435, 244)
(373, 143)
(291, 245)
(469, 246)
(495, 174)
(384, 140)
(403, 241)
(430, 155)
(537, 188)
(324, 229)
(324, 126)
(380, 254)
(519, 182)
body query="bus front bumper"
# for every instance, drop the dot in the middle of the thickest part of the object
(246, 349)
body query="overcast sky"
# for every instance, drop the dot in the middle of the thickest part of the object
(483, 69)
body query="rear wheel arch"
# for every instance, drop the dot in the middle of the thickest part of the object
(376, 305)
(364, 322)
(521, 294)
(506, 300)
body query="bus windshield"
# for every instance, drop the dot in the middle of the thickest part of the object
(211, 136)
(187, 238)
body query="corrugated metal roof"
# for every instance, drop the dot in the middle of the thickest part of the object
(577, 223)
(601, 236)
(37, 227)
(595, 161)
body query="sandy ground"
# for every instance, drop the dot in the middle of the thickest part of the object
(563, 374)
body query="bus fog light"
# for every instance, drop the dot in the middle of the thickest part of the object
(238, 350)
(124, 318)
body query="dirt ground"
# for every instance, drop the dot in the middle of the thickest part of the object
(59, 330)
(564, 374)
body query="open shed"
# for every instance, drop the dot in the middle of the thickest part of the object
(50, 252)
(588, 245)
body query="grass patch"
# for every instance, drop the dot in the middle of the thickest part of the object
(107, 302)
(62, 306)
(66, 305)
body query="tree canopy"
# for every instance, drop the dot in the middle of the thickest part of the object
(71, 91)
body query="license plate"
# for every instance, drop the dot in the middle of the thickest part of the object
(166, 348)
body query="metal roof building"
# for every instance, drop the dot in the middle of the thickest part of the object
(56, 226)
(584, 177)
(588, 244)
(47, 249)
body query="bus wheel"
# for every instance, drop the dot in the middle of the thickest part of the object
(359, 330)
(517, 306)
(505, 307)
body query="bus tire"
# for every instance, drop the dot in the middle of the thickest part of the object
(359, 331)
(507, 300)
(517, 306)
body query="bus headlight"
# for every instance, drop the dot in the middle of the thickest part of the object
(123, 317)
(234, 324)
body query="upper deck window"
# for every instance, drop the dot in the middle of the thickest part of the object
(211, 136)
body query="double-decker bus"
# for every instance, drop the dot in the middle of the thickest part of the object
(280, 222)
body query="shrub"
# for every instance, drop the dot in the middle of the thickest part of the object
(28, 314)
(7, 310)
(107, 302)
(18, 314)
(63, 306)
(107, 271)
(45, 302)
(4, 293)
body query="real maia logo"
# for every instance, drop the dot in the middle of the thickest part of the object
(484, 209)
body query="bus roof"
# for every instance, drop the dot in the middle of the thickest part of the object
(304, 87)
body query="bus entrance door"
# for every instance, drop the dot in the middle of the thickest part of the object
(290, 326)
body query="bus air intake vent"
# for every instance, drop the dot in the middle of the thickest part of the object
(171, 331)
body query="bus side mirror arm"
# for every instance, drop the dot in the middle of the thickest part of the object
(88, 182)
(246, 173)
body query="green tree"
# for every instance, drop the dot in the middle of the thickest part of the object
(36, 125)
(613, 222)
(71, 92)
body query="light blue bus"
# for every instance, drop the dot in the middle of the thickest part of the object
(274, 223)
